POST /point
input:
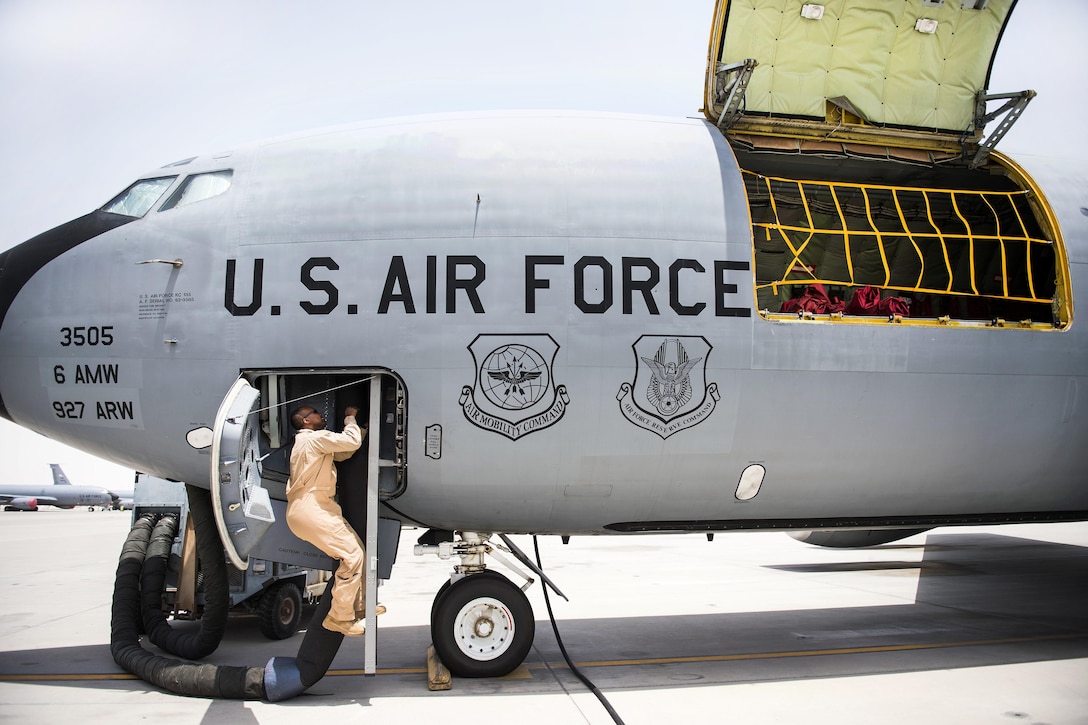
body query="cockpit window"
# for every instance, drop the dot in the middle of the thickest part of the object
(199, 187)
(141, 196)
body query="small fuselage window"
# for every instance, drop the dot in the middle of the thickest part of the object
(199, 187)
(141, 196)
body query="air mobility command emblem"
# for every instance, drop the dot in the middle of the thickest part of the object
(514, 393)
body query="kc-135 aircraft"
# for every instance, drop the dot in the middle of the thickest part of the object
(62, 494)
(827, 305)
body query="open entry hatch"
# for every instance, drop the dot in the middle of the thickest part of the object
(251, 447)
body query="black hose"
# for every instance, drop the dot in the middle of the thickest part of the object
(577, 672)
(280, 679)
(183, 678)
(213, 622)
(286, 677)
(319, 646)
(125, 623)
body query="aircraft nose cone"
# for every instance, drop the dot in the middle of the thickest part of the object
(20, 263)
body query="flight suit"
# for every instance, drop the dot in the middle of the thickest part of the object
(314, 516)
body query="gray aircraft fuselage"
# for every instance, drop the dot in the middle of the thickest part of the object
(568, 302)
(59, 496)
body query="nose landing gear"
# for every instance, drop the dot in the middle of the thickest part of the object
(482, 624)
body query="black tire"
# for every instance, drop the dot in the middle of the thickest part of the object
(280, 611)
(483, 626)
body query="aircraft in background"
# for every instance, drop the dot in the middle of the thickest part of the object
(122, 501)
(829, 304)
(60, 478)
(61, 494)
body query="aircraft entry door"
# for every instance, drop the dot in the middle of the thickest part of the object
(251, 452)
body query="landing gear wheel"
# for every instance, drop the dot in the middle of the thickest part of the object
(280, 611)
(482, 626)
(446, 586)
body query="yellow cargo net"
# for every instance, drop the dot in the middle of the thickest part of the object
(931, 245)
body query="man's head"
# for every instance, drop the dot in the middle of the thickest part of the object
(307, 417)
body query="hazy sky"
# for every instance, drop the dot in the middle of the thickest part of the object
(93, 93)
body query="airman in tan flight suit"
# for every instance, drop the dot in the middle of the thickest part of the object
(315, 516)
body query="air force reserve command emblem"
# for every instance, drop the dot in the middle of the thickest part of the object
(514, 394)
(670, 392)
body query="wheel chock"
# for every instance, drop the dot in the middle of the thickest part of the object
(438, 677)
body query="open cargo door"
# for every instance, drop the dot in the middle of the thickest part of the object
(858, 126)
(912, 73)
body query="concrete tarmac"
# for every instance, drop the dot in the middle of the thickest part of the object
(958, 625)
